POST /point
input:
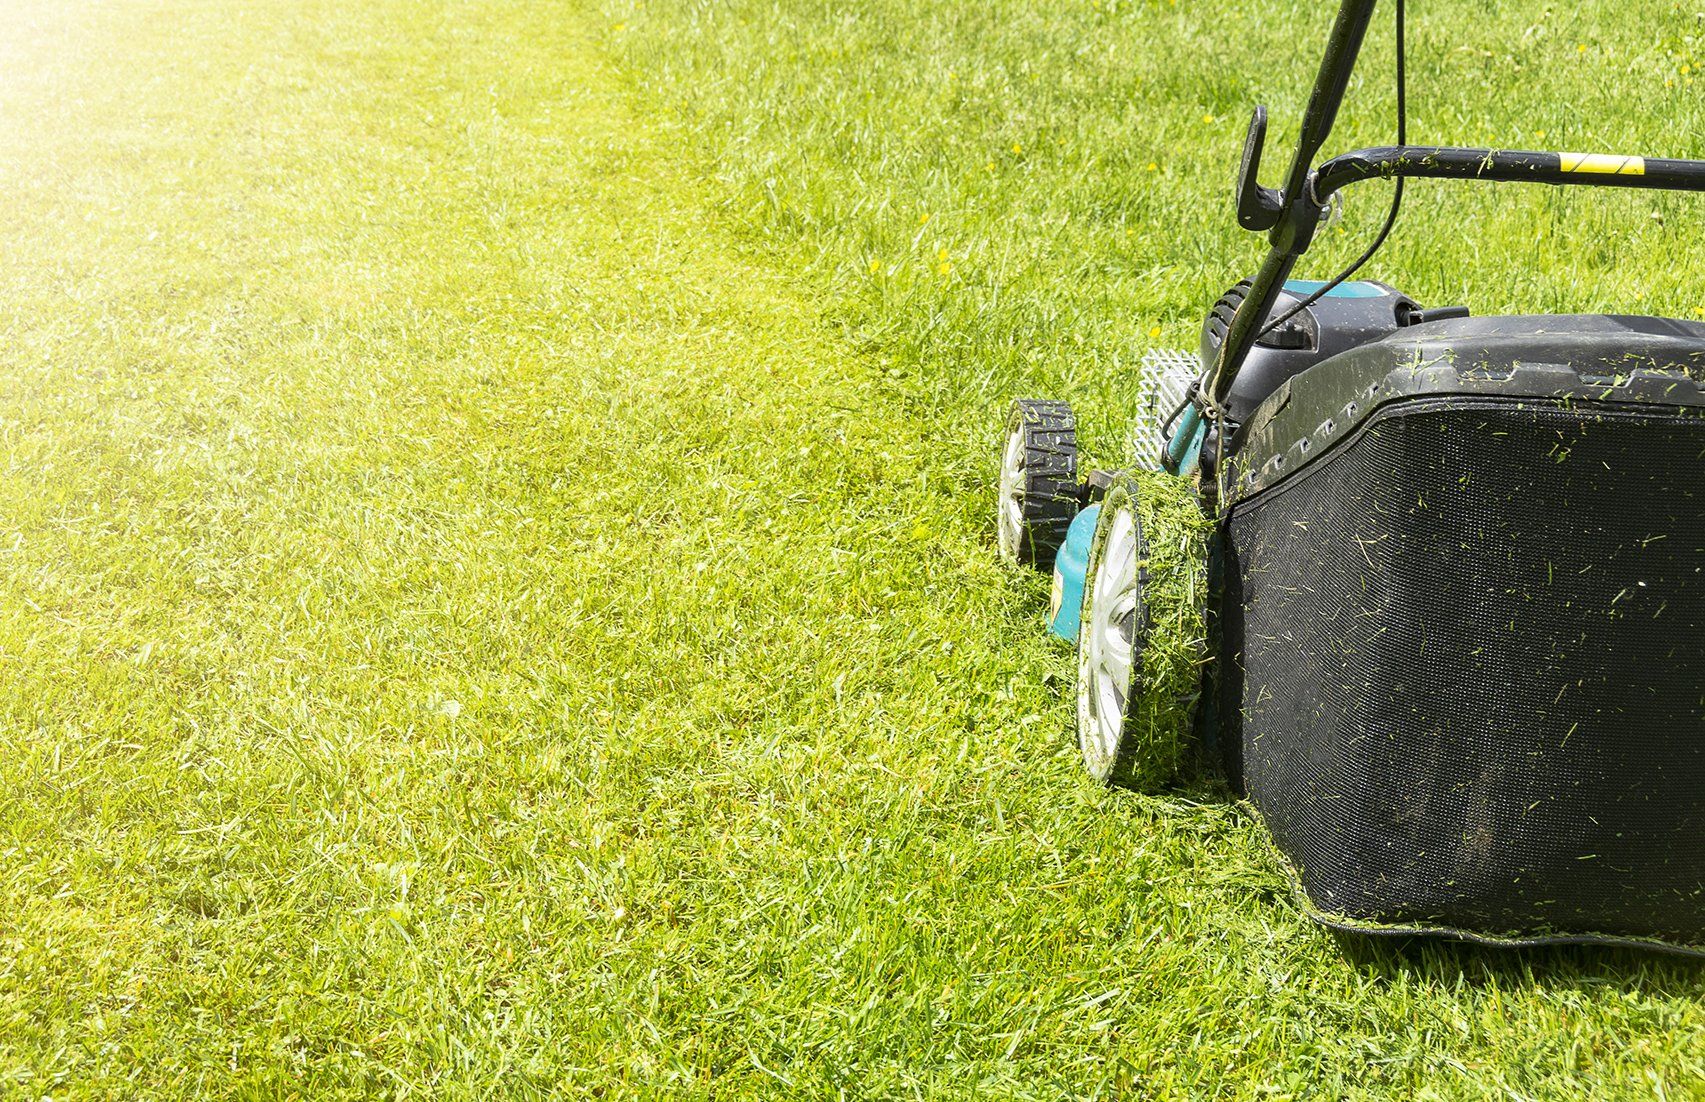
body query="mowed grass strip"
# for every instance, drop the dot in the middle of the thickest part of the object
(474, 626)
(466, 626)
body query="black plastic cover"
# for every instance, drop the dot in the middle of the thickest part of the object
(1594, 357)
(1331, 325)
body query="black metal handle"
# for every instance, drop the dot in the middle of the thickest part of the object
(1299, 216)
(1450, 163)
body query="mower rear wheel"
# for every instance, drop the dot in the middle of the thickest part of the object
(1039, 492)
(1111, 638)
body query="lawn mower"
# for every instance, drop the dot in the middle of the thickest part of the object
(1451, 638)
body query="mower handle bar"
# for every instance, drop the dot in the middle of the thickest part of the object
(1291, 215)
(1450, 163)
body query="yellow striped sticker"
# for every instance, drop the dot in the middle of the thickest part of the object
(1606, 163)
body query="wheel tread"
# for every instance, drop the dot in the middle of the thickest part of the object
(1052, 497)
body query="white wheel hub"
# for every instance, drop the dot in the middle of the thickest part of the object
(1010, 528)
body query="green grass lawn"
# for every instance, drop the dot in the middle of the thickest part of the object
(496, 515)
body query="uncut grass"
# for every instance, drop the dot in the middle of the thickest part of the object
(1072, 165)
(475, 627)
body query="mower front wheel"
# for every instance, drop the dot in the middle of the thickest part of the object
(1143, 649)
(1039, 492)
(1113, 632)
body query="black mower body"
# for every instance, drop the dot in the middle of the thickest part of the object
(1462, 655)
(1347, 317)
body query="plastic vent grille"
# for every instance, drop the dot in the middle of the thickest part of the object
(1470, 665)
(1219, 318)
(1163, 379)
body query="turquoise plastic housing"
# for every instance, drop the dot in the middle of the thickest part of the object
(1359, 289)
(1069, 566)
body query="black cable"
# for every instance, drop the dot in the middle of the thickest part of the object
(1396, 198)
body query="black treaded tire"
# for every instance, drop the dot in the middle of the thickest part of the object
(1039, 492)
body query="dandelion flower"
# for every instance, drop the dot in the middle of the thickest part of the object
(874, 265)
(1154, 332)
(1017, 149)
(944, 267)
(1153, 167)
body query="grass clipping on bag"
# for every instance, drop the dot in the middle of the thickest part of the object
(1175, 650)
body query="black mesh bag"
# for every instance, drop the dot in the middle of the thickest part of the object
(1464, 631)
